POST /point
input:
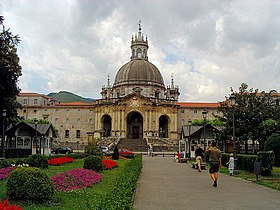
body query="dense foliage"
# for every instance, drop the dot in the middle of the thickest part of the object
(256, 116)
(93, 162)
(37, 160)
(10, 71)
(29, 183)
(273, 144)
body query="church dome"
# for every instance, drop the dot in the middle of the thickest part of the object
(139, 71)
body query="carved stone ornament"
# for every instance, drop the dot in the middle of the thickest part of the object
(134, 102)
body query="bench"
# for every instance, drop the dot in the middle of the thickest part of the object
(183, 160)
(194, 165)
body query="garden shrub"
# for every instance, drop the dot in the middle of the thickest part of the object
(93, 162)
(37, 160)
(273, 144)
(31, 184)
(93, 149)
(267, 159)
(115, 155)
(5, 163)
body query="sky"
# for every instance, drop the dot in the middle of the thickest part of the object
(209, 46)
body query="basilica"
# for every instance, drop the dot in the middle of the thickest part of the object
(137, 109)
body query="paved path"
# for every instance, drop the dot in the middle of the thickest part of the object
(166, 185)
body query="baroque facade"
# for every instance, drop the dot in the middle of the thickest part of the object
(137, 106)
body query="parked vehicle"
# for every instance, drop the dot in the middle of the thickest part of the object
(126, 153)
(105, 150)
(62, 150)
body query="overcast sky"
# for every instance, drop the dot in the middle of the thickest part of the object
(209, 46)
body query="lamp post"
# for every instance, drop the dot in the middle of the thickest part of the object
(190, 123)
(36, 125)
(204, 113)
(232, 99)
(3, 132)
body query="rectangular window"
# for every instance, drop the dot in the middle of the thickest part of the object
(182, 111)
(25, 101)
(35, 101)
(78, 121)
(67, 121)
(78, 133)
(90, 121)
(195, 111)
(66, 133)
(56, 121)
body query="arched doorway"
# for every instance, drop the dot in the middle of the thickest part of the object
(106, 126)
(163, 126)
(134, 125)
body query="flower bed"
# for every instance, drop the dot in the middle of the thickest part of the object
(75, 179)
(109, 164)
(5, 172)
(6, 206)
(60, 161)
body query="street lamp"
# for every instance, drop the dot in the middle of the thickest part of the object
(36, 125)
(190, 123)
(3, 132)
(232, 100)
(204, 113)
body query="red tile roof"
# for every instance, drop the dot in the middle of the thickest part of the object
(198, 104)
(75, 104)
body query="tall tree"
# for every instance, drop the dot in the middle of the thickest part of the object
(256, 115)
(10, 71)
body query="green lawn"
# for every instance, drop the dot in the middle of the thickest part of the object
(79, 199)
(272, 181)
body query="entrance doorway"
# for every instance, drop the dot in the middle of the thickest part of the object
(134, 125)
(106, 126)
(163, 126)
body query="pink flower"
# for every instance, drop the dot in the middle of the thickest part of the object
(5, 172)
(75, 179)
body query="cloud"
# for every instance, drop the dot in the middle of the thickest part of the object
(209, 46)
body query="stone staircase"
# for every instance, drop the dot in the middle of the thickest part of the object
(136, 145)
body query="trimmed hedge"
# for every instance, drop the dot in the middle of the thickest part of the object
(267, 160)
(244, 162)
(120, 194)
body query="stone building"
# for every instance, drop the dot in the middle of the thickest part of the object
(137, 109)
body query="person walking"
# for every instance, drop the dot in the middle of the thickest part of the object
(230, 164)
(215, 159)
(199, 153)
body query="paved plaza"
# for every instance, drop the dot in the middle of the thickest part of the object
(166, 185)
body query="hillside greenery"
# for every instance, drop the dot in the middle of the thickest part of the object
(66, 97)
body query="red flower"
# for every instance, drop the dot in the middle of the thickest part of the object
(108, 164)
(6, 206)
(60, 160)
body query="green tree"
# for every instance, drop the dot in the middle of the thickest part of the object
(254, 113)
(273, 143)
(10, 71)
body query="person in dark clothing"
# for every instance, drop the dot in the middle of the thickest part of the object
(199, 153)
(215, 158)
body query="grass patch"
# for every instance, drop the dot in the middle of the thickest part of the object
(87, 198)
(272, 181)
